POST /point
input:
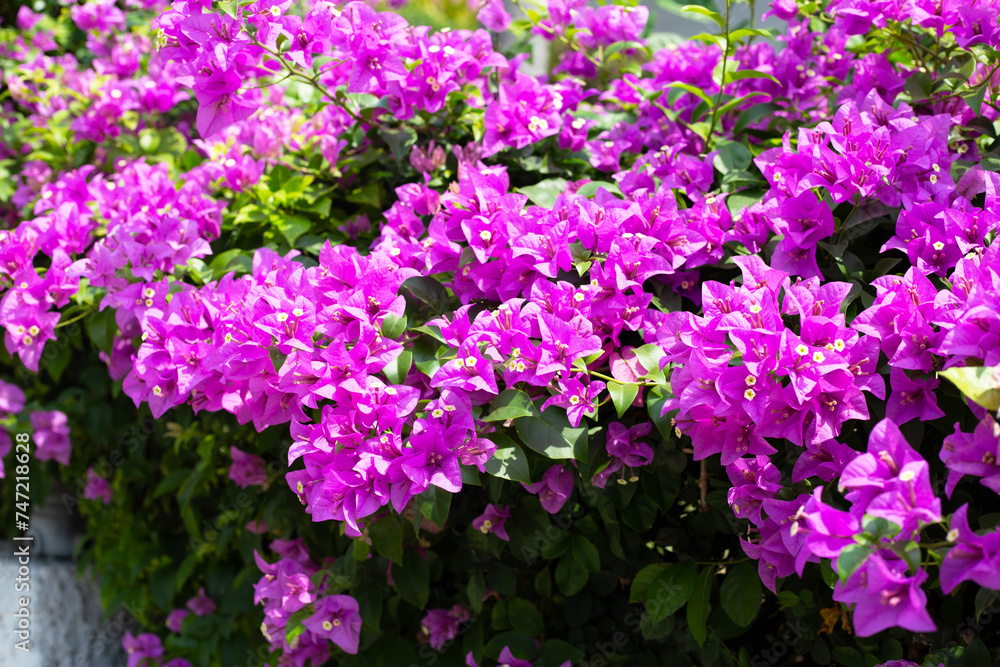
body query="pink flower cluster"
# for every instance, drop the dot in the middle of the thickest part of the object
(289, 586)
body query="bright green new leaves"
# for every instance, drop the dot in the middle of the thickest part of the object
(980, 383)
(707, 13)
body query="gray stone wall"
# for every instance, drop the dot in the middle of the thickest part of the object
(64, 616)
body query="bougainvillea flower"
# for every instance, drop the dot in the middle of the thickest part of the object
(96, 488)
(142, 648)
(201, 604)
(51, 436)
(176, 618)
(885, 597)
(246, 469)
(337, 619)
(973, 558)
(440, 626)
(553, 489)
(492, 520)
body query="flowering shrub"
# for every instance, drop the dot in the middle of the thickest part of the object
(563, 368)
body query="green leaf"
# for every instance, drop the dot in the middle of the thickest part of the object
(470, 475)
(709, 39)
(845, 655)
(511, 404)
(412, 579)
(622, 394)
(737, 35)
(400, 141)
(198, 270)
(508, 461)
(699, 605)
(230, 7)
(525, 617)
(184, 571)
(787, 599)
(754, 114)
(543, 583)
(521, 645)
(731, 104)
(292, 226)
(586, 554)
(101, 328)
(976, 654)
(500, 616)
(434, 503)
(161, 587)
(551, 435)
(393, 326)
(985, 599)
(742, 74)
(851, 558)
(502, 578)
(826, 571)
(171, 481)
(294, 626)
(387, 538)
(360, 551)
(556, 652)
(277, 358)
(643, 580)
(670, 590)
(878, 528)
(649, 356)
(149, 140)
(981, 384)
(397, 369)
(590, 189)
(733, 156)
(740, 594)
(571, 576)
(694, 90)
(231, 261)
(429, 291)
(544, 193)
(476, 590)
(707, 13)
